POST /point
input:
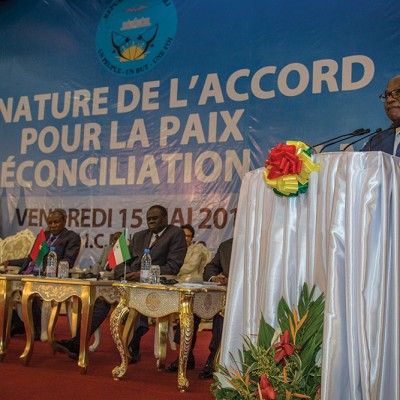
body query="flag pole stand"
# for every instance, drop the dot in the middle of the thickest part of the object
(124, 280)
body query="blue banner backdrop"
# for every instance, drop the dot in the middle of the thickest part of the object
(108, 107)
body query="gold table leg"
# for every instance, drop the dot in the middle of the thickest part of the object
(187, 325)
(26, 302)
(5, 318)
(162, 327)
(88, 297)
(55, 311)
(76, 312)
(116, 319)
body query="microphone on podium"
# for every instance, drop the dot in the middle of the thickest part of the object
(340, 138)
(370, 136)
(356, 132)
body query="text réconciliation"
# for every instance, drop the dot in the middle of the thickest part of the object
(103, 171)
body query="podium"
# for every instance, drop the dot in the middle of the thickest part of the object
(343, 235)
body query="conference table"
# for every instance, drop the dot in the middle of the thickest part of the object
(10, 290)
(160, 301)
(56, 291)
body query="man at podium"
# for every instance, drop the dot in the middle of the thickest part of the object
(389, 139)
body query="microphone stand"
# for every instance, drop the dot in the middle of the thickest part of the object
(360, 132)
(345, 136)
(124, 280)
(371, 136)
(355, 133)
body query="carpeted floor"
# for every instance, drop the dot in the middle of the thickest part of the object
(58, 377)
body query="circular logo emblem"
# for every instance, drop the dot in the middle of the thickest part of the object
(134, 36)
(153, 301)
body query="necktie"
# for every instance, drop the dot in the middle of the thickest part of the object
(398, 150)
(397, 140)
(51, 240)
(153, 239)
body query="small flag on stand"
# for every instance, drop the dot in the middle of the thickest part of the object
(40, 248)
(119, 253)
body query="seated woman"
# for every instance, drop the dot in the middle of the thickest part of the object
(197, 257)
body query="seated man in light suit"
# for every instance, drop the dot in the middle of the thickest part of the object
(168, 251)
(67, 245)
(168, 248)
(389, 139)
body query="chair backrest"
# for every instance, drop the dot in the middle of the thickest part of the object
(81, 250)
(1, 249)
(17, 246)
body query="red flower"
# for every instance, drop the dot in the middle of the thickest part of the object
(283, 160)
(266, 389)
(285, 348)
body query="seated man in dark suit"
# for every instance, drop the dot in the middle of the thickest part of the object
(167, 250)
(389, 139)
(67, 245)
(217, 271)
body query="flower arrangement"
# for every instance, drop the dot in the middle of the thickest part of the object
(285, 363)
(288, 168)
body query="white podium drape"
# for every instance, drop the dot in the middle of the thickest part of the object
(342, 235)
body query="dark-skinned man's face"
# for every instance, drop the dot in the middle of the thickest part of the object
(55, 223)
(156, 222)
(392, 105)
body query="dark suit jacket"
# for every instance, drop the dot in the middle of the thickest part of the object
(67, 248)
(221, 261)
(168, 251)
(382, 142)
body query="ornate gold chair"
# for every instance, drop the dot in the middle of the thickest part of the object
(16, 246)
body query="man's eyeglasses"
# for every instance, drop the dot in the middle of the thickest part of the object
(394, 93)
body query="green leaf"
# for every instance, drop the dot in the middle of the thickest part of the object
(284, 313)
(265, 334)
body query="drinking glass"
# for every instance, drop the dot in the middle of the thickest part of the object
(155, 274)
(63, 269)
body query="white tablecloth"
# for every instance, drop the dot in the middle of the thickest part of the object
(343, 236)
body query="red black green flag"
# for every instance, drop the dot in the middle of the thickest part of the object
(40, 248)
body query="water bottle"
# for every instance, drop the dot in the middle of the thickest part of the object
(145, 265)
(51, 269)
